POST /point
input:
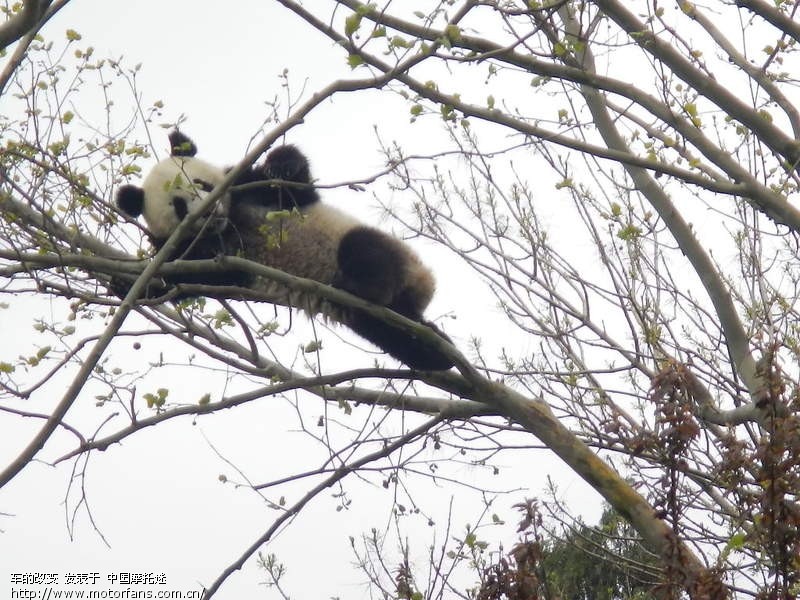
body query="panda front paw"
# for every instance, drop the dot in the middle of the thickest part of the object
(289, 164)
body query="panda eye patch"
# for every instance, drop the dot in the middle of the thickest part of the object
(181, 209)
(203, 185)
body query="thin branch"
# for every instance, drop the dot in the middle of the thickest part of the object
(138, 287)
(320, 386)
(333, 479)
(746, 186)
(721, 95)
(737, 339)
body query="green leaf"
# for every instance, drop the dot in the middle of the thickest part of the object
(222, 318)
(354, 60)
(158, 399)
(365, 9)
(351, 24)
(565, 183)
(629, 233)
(399, 42)
(737, 541)
(453, 33)
(313, 346)
(131, 170)
(274, 216)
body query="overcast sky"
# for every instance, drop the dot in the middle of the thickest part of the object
(157, 499)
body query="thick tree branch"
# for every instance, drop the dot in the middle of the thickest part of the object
(735, 335)
(741, 183)
(773, 15)
(18, 25)
(138, 287)
(722, 96)
(755, 73)
(21, 50)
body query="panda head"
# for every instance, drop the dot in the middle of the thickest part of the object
(176, 187)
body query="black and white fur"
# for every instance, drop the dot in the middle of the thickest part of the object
(308, 238)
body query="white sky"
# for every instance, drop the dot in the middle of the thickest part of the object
(157, 498)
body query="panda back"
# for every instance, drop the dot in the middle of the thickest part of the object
(302, 242)
(306, 242)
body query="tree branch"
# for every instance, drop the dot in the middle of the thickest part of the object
(774, 16)
(334, 478)
(18, 25)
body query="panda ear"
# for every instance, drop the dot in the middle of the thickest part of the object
(181, 145)
(130, 200)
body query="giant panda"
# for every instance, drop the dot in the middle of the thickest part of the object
(285, 225)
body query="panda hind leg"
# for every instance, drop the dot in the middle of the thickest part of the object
(372, 267)
(416, 353)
